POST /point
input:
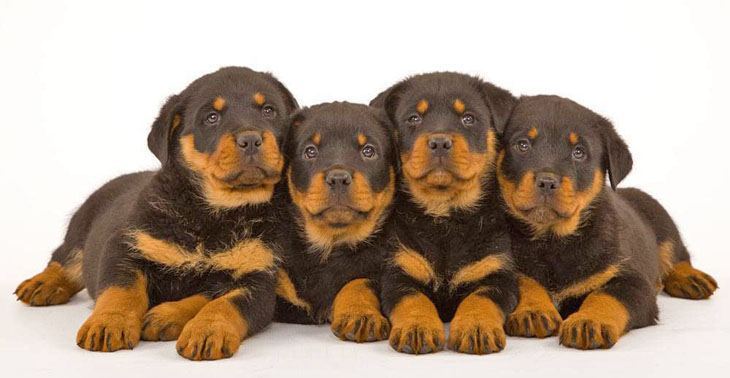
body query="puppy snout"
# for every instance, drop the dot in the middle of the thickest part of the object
(547, 183)
(249, 142)
(440, 144)
(338, 179)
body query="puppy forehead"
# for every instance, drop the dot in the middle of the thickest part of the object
(340, 122)
(552, 117)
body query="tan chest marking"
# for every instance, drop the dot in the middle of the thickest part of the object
(479, 269)
(414, 265)
(587, 285)
(248, 256)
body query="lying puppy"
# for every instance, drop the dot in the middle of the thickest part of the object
(194, 229)
(341, 179)
(449, 241)
(597, 256)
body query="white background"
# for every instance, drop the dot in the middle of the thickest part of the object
(80, 83)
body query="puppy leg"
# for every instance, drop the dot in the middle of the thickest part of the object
(219, 327)
(165, 321)
(416, 326)
(60, 281)
(356, 313)
(116, 321)
(535, 315)
(684, 281)
(624, 303)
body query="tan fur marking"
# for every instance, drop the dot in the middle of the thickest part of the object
(248, 256)
(684, 281)
(532, 134)
(165, 321)
(592, 283)
(422, 107)
(323, 237)
(55, 285)
(219, 103)
(535, 314)
(568, 201)
(259, 98)
(116, 322)
(317, 138)
(356, 313)
(414, 265)
(216, 331)
(666, 257)
(477, 327)
(226, 159)
(573, 138)
(285, 289)
(459, 106)
(440, 192)
(361, 139)
(479, 269)
(176, 120)
(599, 323)
(416, 325)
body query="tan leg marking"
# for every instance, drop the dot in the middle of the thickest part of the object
(477, 327)
(416, 326)
(165, 321)
(116, 321)
(535, 314)
(356, 313)
(599, 323)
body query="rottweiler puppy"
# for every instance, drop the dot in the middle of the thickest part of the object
(588, 254)
(341, 178)
(449, 243)
(182, 253)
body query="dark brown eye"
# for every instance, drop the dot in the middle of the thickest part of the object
(310, 152)
(268, 111)
(368, 151)
(212, 118)
(579, 153)
(523, 145)
(468, 119)
(414, 119)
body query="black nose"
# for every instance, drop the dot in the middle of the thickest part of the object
(249, 142)
(439, 144)
(547, 182)
(338, 178)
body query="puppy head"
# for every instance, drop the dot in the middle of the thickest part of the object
(446, 125)
(341, 172)
(553, 164)
(227, 127)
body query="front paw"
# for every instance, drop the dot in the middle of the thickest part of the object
(418, 337)
(361, 327)
(583, 332)
(163, 323)
(476, 335)
(205, 339)
(109, 332)
(530, 322)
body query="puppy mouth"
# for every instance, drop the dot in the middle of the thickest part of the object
(543, 211)
(340, 216)
(249, 177)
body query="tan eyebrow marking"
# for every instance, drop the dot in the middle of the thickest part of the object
(459, 106)
(259, 98)
(422, 106)
(573, 138)
(532, 133)
(316, 138)
(361, 139)
(219, 103)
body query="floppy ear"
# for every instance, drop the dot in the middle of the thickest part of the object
(289, 101)
(617, 157)
(160, 137)
(500, 102)
(388, 101)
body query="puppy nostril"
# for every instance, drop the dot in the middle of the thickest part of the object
(447, 144)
